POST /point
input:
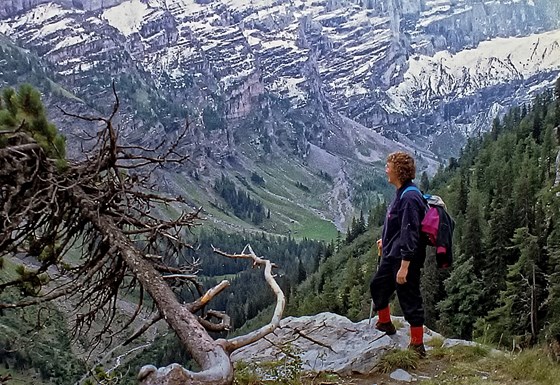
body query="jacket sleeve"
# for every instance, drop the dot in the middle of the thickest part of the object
(410, 229)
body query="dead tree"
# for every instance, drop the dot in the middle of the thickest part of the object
(106, 206)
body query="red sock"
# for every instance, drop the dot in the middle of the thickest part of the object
(417, 335)
(384, 315)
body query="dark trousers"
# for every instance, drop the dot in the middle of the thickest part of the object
(384, 284)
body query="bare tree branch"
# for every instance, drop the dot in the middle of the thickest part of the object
(201, 302)
(224, 325)
(155, 319)
(238, 342)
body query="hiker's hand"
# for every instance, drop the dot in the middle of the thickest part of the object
(379, 246)
(401, 275)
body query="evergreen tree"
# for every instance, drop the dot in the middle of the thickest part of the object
(496, 128)
(433, 288)
(424, 182)
(517, 315)
(377, 215)
(497, 248)
(352, 279)
(24, 111)
(329, 296)
(338, 243)
(464, 287)
(301, 273)
(553, 325)
(471, 242)
(461, 308)
(526, 185)
(361, 224)
(462, 193)
(351, 232)
(547, 153)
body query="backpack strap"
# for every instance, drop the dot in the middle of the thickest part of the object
(411, 188)
(425, 197)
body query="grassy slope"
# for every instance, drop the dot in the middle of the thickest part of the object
(459, 365)
(293, 210)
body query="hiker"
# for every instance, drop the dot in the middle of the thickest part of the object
(403, 254)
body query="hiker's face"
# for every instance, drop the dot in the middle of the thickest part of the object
(392, 174)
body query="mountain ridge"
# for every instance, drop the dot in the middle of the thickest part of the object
(286, 77)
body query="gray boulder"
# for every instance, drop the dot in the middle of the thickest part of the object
(328, 342)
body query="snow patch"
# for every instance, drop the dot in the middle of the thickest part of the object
(48, 29)
(43, 13)
(71, 40)
(243, 4)
(127, 17)
(41, 16)
(290, 87)
(355, 90)
(464, 73)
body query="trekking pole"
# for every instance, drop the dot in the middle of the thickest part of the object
(378, 262)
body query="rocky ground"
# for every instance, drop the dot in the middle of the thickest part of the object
(336, 350)
(429, 368)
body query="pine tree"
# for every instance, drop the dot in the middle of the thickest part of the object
(462, 193)
(526, 185)
(377, 215)
(547, 153)
(497, 248)
(517, 316)
(464, 287)
(338, 242)
(496, 128)
(461, 308)
(351, 232)
(24, 111)
(433, 288)
(361, 224)
(329, 296)
(424, 182)
(553, 327)
(352, 279)
(301, 273)
(471, 242)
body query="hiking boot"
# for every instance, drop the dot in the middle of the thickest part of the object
(386, 327)
(418, 349)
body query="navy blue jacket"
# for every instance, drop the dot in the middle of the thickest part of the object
(401, 230)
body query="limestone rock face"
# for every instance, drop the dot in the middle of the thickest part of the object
(13, 7)
(328, 342)
(422, 73)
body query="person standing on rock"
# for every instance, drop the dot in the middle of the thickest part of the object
(403, 253)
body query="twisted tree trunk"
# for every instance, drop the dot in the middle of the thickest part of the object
(103, 204)
(210, 355)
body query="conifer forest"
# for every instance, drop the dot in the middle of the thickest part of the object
(502, 192)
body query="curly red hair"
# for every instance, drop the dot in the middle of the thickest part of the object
(403, 164)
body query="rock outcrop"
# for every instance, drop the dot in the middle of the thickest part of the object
(328, 342)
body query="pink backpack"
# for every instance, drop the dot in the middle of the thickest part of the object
(437, 227)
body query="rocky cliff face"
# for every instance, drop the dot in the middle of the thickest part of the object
(14, 7)
(374, 61)
(298, 73)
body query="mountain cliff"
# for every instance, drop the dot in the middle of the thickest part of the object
(312, 80)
